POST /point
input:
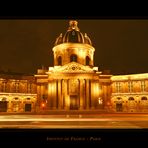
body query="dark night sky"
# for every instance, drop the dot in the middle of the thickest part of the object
(121, 45)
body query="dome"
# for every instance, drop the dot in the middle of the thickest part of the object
(87, 39)
(73, 35)
(59, 40)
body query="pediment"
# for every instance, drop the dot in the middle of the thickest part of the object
(73, 67)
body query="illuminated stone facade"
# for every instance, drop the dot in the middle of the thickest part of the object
(17, 93)
(73, 83)
(130, 93)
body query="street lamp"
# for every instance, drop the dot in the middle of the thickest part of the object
(100, 101)
(43, 105)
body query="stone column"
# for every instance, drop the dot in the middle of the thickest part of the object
(84, 94)
(66, 98)
(54, 94)
(9, 106)
(22, 105)
(92, 87)
(62, 94)
(38, 97)
(81, 95)
(49, 95)
(59, 95)
(87, 94)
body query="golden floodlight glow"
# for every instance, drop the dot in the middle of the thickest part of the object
(100, 101)
(95, 68)
(43, 105)
(73, 45)
(74, 84)
(50, 68)
(129, 77)
(67, 101)
(82, 53)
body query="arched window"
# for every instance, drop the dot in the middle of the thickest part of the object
(144, 98)
(118, 98)
(87, 60)
(59, 60)
(16, 98)
(73, 58)
(131, 99)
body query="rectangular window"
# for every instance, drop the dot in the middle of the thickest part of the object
(16, 87)
(118, 87)
(142, 86)
(3, 86)
(29, 87)
(130, 86)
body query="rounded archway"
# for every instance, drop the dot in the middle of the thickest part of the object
(16, 104)
(87, 60)
(119, 106)
(144, 103)
(3, 105)
(132, 104)
(59, 61)
(143, 98)
(131, 99)
(73, 58)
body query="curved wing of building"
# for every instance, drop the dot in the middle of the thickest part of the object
(73, 83)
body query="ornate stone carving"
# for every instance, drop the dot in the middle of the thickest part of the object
(73, 67)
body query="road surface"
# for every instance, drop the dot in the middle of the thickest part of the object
(100, 121)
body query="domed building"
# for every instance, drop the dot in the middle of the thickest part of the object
(73, 83)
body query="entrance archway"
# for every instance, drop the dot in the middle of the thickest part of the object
(3, 106)
(74, 102)
(27, 107)
(119, 106)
